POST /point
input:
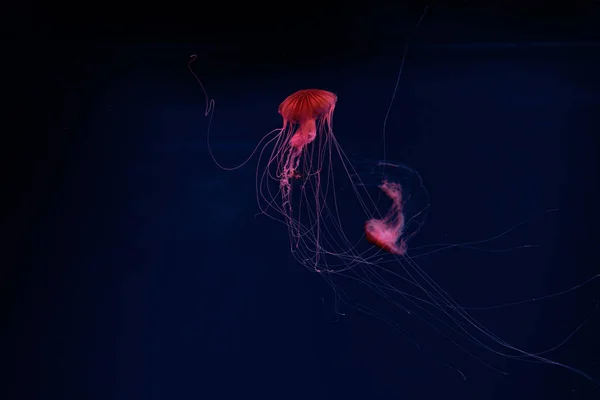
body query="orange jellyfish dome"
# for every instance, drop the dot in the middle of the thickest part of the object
(307, 104)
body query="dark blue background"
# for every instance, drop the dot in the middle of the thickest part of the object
(145, 274)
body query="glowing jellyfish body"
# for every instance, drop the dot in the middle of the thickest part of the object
(304, 108)
(302, 112)
(387, 232)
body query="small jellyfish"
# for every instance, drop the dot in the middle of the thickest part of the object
(386, 233)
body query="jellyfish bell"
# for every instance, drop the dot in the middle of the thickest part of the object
(305, 108)
(307, 104)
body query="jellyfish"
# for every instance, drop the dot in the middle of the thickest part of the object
(386, 233)
(295, 177)
(302, 113)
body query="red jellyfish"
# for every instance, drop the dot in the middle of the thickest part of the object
(387, 232)
(300, 158)
(309, 110)
(404, 189)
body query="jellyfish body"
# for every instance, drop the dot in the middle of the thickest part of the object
(304, 108)
(303, 111)
(386, 232)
